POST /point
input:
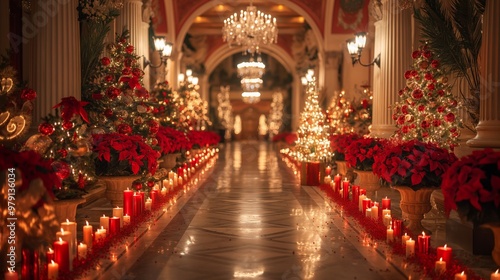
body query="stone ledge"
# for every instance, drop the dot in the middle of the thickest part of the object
(94, 194)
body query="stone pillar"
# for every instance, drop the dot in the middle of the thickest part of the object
(53, 55)
(333, 61)
(395, 35)
(488, 129)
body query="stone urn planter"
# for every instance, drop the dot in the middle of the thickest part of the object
(115, 185)
(66, 209)
(341, 167)
(367, 180)
(169, 161)
(495, 228)
(414, 205)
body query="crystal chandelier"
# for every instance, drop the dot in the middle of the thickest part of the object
(250, 29)
(251, 84)
(250, 96)
(251, 69)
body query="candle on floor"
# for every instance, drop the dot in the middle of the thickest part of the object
(154, 197)
(423, 243)
(49, 255)
(87, 235)
(440, 266)
(171, 175)
(366, 204)
(98, 236)
(126, 220)
(461, 276)
(137, 205)
(390, 234)
(82, 251)
(164, 191)
(345, 187)
(495, 275)
(71, 228)
(387, 220)
(375, 211)
(127, 201)
(404, 238)
(386, 212)
(386, 203)
(360, 204)
(104, 232)
(368, 213)
(328, 170)
(328, 179)
(148, 204)
(355, 194)
(118, 212)
(53, 270)
(11, 275)
(104, 222)
(114, 226)
(143, 200)
(397, 225)
(410, 247)
(67, 237)
(61, 254)
(444, 252)
(336, 180)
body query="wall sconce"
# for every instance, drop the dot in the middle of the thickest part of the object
(355, 47)
(163, 48)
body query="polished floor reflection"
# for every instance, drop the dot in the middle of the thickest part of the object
(252, 220)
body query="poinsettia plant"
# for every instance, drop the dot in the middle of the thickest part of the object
(471, 186)
(360, 153)
(121, 154)
(287, 137)
(413, 163)
(203, 138)
(171, 140)
(339, 143)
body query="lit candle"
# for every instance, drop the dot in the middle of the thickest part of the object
(68, 238)
(328, 179)
(328, 170)
(104, 222)
(164, 191)
(495, 275)
(82, 251)
(360, 199)
(440, 266)
(171, 175)
(61, 254)
(118, 212)
(345, 187)
(397, 225)
(87, 235)
(114, 226)
(423, 243)
(103, 232)
(368, 213)
(148, 204)
(71, 228)
(154, 197)
(375, 212)
(355, 194)
(137, 205)
(53, 272)
(126, 220)
(410, 247)
(127, 201)
(11, 275)
(390, 234)
(174, 181)
(98, 236)
(386, 203)
(50, 255)
(142, 194)
(444, 252)
(386, 212)
(461, 276)
(180, 181)
(337, 179)
(366, 204)
(387, 220)
(404, 238)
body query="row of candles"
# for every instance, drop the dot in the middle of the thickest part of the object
(65, 248)
(395, 227)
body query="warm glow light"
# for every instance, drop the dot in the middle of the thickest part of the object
(159, 43)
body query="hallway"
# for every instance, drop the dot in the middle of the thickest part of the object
(251, 219)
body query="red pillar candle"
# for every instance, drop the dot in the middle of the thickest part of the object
(397, 225)
(362, 191)
(312, 173)
(127, 202)
(423, 243)
(61, 254)
(154, 197)
(142, 194)
(137, 205)
(345, 187)
(366, 204)
(114, 225)
(337, 179)
(180, 171)
(445, 253)
(355, 194)
(328, 170)
(386, 203)
(49, 255)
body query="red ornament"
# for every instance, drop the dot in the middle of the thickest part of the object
(61, 169)
(129, 49)
(414, 73)
(440, 109)
(428, 76)
(126, 72)
(137, 72)
(124, 129)
(153, 126)
(67, 125)
(421, 108)
(440, 92)
(427, 54)
(112, 92)
(151, 184)
(154, 141)
(46, 129)
(436, 123)
(128, 62)
(454, 103)
(404, 129)
(108, 113)
(430, 87)
(105, 61)
(435, 64)
(97, 96)
(28, 94)
(138, 186)
(450, 117)
(417, 94)
(425, 124)
(425, 134)
(63, 152)
(401, 92)
(108, 78)
(401, 120)
(415, 54)
(404, 109)
(408, 74)
(453, 129)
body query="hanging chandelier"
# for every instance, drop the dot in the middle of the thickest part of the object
(251, 84)
(251, 69)
(250, 96)
(250, 29)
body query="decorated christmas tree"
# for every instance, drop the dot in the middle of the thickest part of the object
(346, 116)
(165, 107)
(118, 100)
(427, 110)
(312, 144)
(192, 109)
(276, 115)
(225, 111)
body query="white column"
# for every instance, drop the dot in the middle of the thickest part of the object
(131, 18)
(333, 60)
(54, 55)
(488, 129)
(395, 32)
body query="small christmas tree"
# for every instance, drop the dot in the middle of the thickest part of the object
(276, 114)
(165, 110)
(192, 109)
(339, 113)
(427, 110)
(312, 144)
(225, 111)
(118, 100)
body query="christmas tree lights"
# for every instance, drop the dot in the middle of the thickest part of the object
(276, 114)
(312, 144)
(225, 111)
(427, 110)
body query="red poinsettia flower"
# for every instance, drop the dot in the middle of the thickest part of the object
(360, 153)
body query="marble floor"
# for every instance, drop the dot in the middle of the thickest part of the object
(251, 219)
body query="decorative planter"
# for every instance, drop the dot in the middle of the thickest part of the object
(495, 228)
(414, 204)
(303, 173)
(341, 167)
(169, 161)
(367, 180)
(66, 209)
(115, 185)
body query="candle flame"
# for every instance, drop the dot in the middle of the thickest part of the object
(52, 262)
(62, 230)
(445, 246)
(104, 215)
(102, 227)
(440, 259)
(67, 220)
(496, 272)
(60, 239)
(463, 272)
(406, 234)
(81, 244)
(423, 234)
(50, 250)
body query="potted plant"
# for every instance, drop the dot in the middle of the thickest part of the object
(122, 159)
(338, 144)
(360, 156)
(171, 143)
(415, 169)
(471, 186)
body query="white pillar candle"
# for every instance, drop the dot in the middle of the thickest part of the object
(171, 175)
(495, 275)
(53, 271)
(126, 220)
(387, 220)
(390, 234)
(87, 235)
(104, 232)
(180, 181)
(368, 213)
(386, 212)
(440, 266)
(118, 212)
(410, 247)
(328, 179)
(82, 251)
(361, 198)
(148, 204)
(71, 228)
(404, 238)
(375, 212)
(104, 222)
(164, 190)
